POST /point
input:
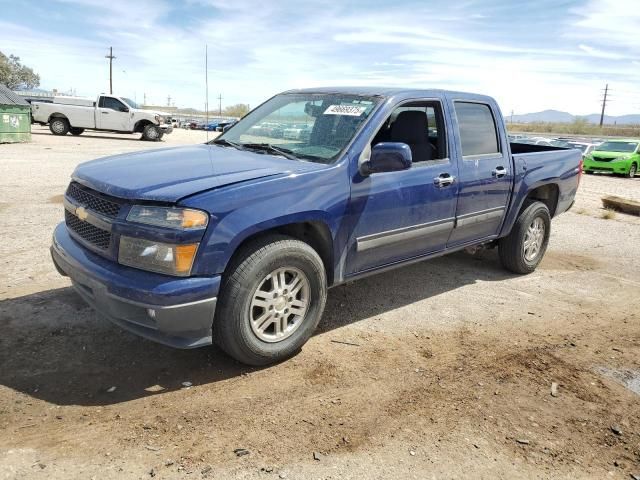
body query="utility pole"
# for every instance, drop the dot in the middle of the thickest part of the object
(604, 103)
(144, 102)
(169, 101)
(220, 104)
(110, 57)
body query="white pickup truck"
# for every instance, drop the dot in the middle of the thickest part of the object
(107, 113)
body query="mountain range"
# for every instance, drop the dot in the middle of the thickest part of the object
(556, 116)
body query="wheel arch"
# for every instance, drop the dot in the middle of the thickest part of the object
(58, 115)
(549, 194)
(140, 124)
(313, 232)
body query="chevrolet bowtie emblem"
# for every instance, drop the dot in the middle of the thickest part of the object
(81, 213)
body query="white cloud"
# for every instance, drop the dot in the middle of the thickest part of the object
(257, 49)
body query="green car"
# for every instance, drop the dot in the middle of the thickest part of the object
(614, 156)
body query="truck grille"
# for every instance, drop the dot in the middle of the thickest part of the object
(93, 200)
(89, 233)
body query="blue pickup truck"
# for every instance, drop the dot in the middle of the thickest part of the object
(237, 241)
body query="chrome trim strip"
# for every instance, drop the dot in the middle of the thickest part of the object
(92, 218)
(477, 217)
(402, 234)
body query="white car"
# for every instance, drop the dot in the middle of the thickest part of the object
(107, 113)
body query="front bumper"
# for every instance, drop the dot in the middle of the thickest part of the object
(166, 128)
(610, 167)
(173, 311)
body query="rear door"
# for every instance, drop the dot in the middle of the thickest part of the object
(485, 169)
(112, 114)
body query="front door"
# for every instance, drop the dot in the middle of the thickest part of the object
(485, 172)
(405, 214)
(112, 114)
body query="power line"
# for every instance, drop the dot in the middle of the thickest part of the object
(604, 104)
(110, 57)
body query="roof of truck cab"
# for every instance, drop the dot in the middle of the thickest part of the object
(384, 91)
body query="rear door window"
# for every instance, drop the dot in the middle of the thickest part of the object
(477, 126)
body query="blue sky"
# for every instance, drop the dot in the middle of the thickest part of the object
(529, 55)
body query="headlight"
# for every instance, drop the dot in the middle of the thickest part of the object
(156, 256)
(622, 159)
(160, 119)
(169, 217)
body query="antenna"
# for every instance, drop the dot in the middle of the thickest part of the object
(206, 89)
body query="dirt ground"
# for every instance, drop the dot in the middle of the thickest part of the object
(442, 369)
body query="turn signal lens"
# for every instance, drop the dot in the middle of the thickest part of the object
(184, 257)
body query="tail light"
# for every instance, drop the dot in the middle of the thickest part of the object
(580, 169)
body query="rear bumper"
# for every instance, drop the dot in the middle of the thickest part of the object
(173, 311)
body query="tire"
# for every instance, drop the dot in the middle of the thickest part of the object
(243, 304)
(633, 169)
(511, 249)
(588, 172)
(59, 126)
(151, 133)
(76, 131)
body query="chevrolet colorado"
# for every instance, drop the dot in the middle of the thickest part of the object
(237, 241)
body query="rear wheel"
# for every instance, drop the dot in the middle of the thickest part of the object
(151, 133)
(59, 126)
(632, 171)
(522, 250)
(271, 301)
(76, 131)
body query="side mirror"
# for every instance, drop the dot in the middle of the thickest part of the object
(124, 109)
(227, 127)
(387, 157)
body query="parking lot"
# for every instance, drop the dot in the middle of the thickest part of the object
(442, 369)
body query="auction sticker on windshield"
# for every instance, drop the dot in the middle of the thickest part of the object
(350, 110)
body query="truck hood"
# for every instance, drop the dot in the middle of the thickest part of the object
(169, 174)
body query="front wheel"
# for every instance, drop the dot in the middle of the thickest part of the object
(59, 126)
(151, 133)
(633, 169)
(271, 300)
(522, 250)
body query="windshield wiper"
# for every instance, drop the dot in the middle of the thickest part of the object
(271, 148)
(224, 141)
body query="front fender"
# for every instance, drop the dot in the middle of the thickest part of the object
(238, 213)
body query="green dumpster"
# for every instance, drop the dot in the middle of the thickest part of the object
(15, 117)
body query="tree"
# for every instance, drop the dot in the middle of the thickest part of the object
(15, 75)
(237, 110)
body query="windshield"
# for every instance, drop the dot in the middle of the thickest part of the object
(130, 102)
(307, 126)
(617, 147)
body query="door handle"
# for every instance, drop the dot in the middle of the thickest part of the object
(105, 113)
(444, 180)
(499, 172)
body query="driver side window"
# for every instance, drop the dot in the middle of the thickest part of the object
(421, 126)
(111, 103)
